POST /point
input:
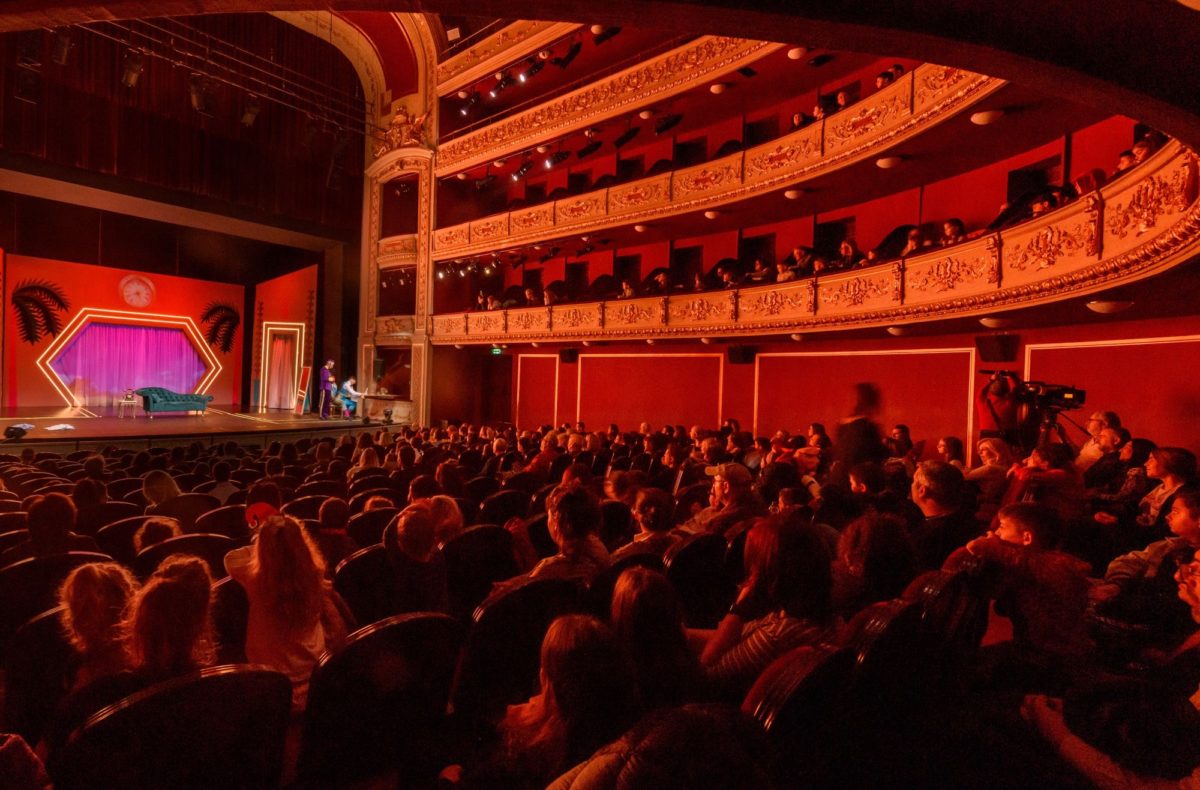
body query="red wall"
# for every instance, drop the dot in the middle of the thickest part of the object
(286, 299)
(89, 286)
(926, 380)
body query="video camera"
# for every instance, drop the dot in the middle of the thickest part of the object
(1046, 397)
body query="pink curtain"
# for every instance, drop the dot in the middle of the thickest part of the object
(281, 372)
(104, 360)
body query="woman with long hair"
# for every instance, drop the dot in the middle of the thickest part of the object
(169, 628)
(367, 459)
(95, 598)
(158, 487)
(875, 561)
(290, 624)
(647, 617)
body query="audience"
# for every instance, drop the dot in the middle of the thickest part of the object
(50, 520)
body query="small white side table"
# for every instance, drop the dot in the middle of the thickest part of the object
(129, 406)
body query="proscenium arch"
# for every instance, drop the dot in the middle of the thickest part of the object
(1133, 58)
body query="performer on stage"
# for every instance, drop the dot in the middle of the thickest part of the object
(328, 386)
(350, 397)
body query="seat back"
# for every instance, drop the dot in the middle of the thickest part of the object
(797, 700)
(186, 508)
(475, 560)
(696, 568)
(894, 658)
(117, 538)
(616, 524)
(522, 481)
(956, 616)
(685, 499)
(118, 489)
(37, 675)
(30, 587)
(367, 583)
(378, 703)
(232, 735)
(9, 505)
(359, 501)
(498, 508)
(366, 528)
(13, 532)
(600, 591)
(308, 506)
(230, 616)
(478, 489)
(538, 528)
(91, 519)
(210, 548)
(500, 663)
(323, 488)
(228, 520)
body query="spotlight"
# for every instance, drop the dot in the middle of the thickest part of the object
(504, 82)
(200, 96)
(441, 275)
(627, 135)
(485, 182)
(461, 176)
(132, 68)
(557, 157)
(667, 122)
(572, 52)
(471, 100)
(250, 111)
(604, 35)
(522, 171)
(646, 115)
(820, 60)
(589, 149)
(532, 69)
(747, 72)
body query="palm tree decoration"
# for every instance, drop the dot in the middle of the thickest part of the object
(222, 322)
(38, 305)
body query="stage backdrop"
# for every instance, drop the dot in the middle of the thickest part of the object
(82, 334)
(284, 322)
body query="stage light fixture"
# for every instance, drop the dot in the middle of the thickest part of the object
(566, 58)
(441, 275)
(503, 82)
(531, 70)
(485, 182)
(522, 171)
(132, 68)
(589, 149)
(250, 110)
(820, 60)
(747, 72)
(604, 35)
(667, 123)
(472, 99)
(556, 158)
(795, 53)
(627, 135)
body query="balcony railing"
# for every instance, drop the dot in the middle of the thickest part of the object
(925, 96)
(1142, 223)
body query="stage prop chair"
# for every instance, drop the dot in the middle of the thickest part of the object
(157, 399)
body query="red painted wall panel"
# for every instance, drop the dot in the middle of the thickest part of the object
(817, 387)
(535, 391)
(874, 219)
(1099, 145)
(630, 389)
(1150, 383)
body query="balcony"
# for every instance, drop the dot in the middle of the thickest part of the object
(1143, 223)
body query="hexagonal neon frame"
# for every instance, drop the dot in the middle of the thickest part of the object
(88, 314)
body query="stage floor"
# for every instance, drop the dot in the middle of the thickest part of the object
(96, 428)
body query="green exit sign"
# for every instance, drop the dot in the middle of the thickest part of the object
(497, 352)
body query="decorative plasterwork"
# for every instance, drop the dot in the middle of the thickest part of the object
(394, 325)
(661, 77)
(876, 123)
(512, 43)
(397, 251)
(1043, 260)
(351, 42)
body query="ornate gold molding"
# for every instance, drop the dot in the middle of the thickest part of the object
(1043, 260)
(869, 126)
(510, 44)
(666, 75)
(397, 251)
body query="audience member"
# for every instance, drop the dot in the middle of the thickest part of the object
(418, 568)
(875, 561)
(154, 531)
(50, 521)
(159, 488)
(95, 598)
(937, 489)
(573, 519)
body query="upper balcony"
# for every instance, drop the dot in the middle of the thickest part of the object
(1141, 224)
(921, 98)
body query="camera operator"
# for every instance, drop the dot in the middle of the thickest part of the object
(998, 406)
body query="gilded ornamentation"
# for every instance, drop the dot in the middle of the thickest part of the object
(405, 131)
(666, 75)
(399, 245)
(853, 293)
(573, 317)
(448, 325)
(1150, 200)
(783, 155)
(524, 321)
(1051, 243)
(490, 228)
(700, 310)
(864, 120)
(639, 193)
(533, 218)
(455, 236)
(935, 82)
(632, 314)
(395, 325)
(709, 178)
(487, 322)
(512, 42)
(948, 273)
(774, 302)
(581, 207)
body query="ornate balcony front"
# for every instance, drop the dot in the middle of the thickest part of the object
(1143, 223)
(928, 95)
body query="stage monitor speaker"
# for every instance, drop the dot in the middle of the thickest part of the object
(568, 356)
(997, 348)
(378, 368)
(14, 432)
(742, 355)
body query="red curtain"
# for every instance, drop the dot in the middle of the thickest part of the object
(281, 372)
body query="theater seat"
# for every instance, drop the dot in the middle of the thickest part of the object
(229, 520)
(36, 675)
(231, 736)
(600, 591)
(30, 587)
(307, 506)
(475, 560)
(377, 704)
(367, 528)
(230, 615)
(479, 488)
(696, 568)
(503, 505)
(324, 488)
(117, 538)
(500, 663)
(359, 501)
(895, 659)
(210, 548)
(366, 581)
(185, 509)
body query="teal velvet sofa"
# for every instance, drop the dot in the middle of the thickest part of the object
(157, 399)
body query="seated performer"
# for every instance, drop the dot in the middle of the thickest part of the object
(350, 397)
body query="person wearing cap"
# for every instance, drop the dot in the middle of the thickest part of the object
(734, 500)
(328, 386)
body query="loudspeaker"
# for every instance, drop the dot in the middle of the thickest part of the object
(742, 355)
(997, 348)
(14, 432)
(378, 368)
(568, 356)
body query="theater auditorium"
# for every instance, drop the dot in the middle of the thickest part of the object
(670, 394)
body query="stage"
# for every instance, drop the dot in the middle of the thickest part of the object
(95, 429)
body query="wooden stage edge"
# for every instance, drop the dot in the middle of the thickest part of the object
(97, 429)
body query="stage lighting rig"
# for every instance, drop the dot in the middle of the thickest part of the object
(564, 60)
